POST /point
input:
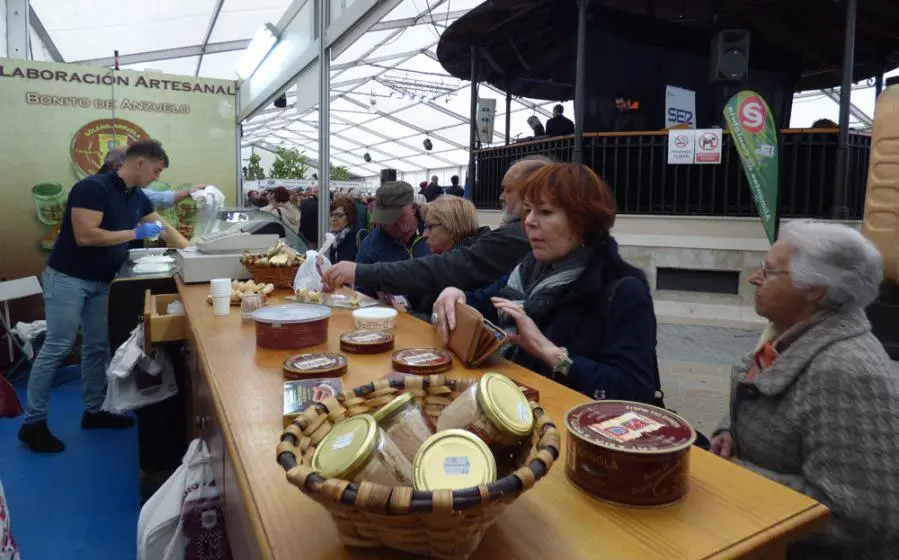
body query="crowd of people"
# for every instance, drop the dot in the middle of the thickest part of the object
(814, 407)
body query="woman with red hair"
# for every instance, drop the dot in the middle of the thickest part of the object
(282, 207)
(574, 309)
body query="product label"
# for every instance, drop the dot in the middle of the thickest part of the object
(314, 363)
(523, 412)
(341, 442)
(456, 465)
(627, 427)
(426, 358)
(372, 337)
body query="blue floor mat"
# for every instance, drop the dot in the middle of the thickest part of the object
(82, 503)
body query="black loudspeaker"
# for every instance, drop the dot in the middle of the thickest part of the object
(388, 175)
(730, 55)
(281, 101)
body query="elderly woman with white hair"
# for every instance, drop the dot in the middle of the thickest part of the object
(816, 407)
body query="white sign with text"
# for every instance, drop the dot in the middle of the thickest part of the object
(681, 146)
(680, 107)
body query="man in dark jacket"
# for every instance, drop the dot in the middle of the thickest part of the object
(309, 218)
(454, 188)
(493, 255)
(559, 124)
(432, 190)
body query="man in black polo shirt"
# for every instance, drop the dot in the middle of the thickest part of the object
(103, 214)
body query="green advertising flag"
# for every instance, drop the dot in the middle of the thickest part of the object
(752, 129)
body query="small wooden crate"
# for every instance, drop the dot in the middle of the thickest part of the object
(158, 325)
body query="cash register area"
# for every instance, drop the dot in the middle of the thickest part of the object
(93, 486)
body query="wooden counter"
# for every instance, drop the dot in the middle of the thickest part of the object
(729, 512)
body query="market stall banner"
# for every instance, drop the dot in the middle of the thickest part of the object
(751, 124)
(59, 122)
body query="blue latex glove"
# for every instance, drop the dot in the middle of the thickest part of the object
(148, 230)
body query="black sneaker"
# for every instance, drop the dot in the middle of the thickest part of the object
(103, 419)
(37, 437)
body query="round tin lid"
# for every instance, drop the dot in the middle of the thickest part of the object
(292, 314)
(451, 460)
(423, 357)
(505, 404)
(364, 338)
(315, 364)
(629, 426)
(346, 447)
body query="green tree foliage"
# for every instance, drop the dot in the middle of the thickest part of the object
(254, 170)
(290, 163)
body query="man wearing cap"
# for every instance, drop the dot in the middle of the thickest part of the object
(397, 236)
(493, 255)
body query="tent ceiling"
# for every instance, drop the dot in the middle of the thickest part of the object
(396, 56)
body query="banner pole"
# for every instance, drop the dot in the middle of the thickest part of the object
(115, 67)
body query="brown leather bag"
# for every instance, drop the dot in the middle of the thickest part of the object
(475, 338)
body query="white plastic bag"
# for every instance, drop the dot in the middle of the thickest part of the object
(150, 380)
(184, 519)
(309, 275)
(127, 355)
(8, 548)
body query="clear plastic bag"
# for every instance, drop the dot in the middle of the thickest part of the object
(309, 275)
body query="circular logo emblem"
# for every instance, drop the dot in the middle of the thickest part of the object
(94, 140)
(681, 141)
(753, 114)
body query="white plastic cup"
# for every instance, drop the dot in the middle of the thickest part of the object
(220, 287)
(221, 305)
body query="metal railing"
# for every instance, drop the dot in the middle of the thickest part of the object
(635, 166)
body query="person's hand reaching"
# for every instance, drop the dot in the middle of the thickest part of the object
(148, 230)
(340, 275)
(444, 312)
(723, 445)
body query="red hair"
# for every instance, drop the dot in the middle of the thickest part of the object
(577, 190)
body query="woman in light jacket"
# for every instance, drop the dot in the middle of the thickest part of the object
(280, 206)
(816, 407)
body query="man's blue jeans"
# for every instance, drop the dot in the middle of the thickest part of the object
(70, 302)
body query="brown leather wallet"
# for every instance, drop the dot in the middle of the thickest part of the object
(475, 338)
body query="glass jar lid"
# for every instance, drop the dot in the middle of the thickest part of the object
(451, 460)
(346, 447)
(393, 406)
(505, 405)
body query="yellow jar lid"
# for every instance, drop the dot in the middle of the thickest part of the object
(346, 447)
(451, 460)
(393, 406)
(505, 405)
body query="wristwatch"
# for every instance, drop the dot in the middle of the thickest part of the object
(563, 363)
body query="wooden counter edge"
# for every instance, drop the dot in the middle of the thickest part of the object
(763, 543)
(262, 540)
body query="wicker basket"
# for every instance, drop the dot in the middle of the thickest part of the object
(280, 276)
(444, 523)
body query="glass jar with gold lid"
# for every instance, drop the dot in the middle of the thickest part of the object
(358, 450)
(494, 409)
(452, 460)
(405, 423)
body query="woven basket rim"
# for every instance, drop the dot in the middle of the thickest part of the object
(502, 489)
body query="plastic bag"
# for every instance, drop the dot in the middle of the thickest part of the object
(309, 275)
(209, 202)
(8, 548)
(184, 518)
(150, 380)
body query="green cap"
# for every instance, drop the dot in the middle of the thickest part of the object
(390, 200)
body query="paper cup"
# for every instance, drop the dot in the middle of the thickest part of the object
(220, 287)
(221, 305)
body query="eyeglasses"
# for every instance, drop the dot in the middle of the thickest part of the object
(766, 272)
(338, 215)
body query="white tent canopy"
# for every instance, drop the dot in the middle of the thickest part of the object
(388, 92)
